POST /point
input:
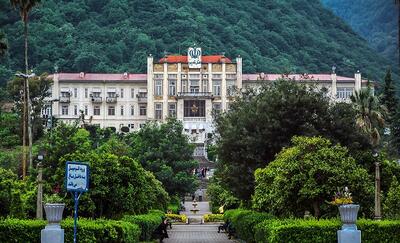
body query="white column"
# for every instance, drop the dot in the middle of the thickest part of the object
(165, 92)
(334, 87)
(150, 88)
(239, 72)
(55, 95)
(178, 79)
(223, 87)
(210, 78)
(357, 78)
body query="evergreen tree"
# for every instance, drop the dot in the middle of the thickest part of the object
(391, 207)
(389, 98)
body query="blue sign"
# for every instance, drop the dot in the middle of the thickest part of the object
(76, 181)
(77, 177)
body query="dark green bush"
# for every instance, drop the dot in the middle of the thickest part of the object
(245, 224)
(147, 222)
(15, 230)
(298, 230)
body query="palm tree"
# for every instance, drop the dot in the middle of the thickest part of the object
(369, 118)
(24, 7)
(3, 44)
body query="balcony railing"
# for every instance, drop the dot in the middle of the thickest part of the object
(111, 100)
(142, 98)
(65, 99)
(194, 119)
(97, 100)
(195, 94)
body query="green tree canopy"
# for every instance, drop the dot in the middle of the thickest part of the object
(164, 150)
(262, 122)
(306, 175)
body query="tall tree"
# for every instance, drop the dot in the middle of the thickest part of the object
(24, 7)
(3, 44)
(389, 98)
(370, 118)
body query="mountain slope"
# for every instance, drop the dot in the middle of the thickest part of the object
(375, 20)
(116, 35)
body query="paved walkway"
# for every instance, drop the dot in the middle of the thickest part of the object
(204, 233)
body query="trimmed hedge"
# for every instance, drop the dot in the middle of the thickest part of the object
(179, 217)
(16, 230)
(148, 223)
(213, 217)
(310, 231)
(244, 222)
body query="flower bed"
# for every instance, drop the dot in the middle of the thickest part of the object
(213, 217)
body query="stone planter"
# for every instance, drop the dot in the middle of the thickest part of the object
(54, 212)
(348, 215)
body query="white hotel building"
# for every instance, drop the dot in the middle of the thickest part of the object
(185, 87)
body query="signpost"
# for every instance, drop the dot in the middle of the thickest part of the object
(77, 182)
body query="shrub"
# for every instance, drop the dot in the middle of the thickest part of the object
(213, 217)
(299, 230)
(391, 206)
(148, 223)
(245, 224)
(234, 214)
(15, 230)
(180, 217)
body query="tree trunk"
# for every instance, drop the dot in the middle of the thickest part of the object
(29, 108)
(378, 214)
(317, 211)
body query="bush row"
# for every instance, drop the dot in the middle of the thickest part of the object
(148, 223)
(260, 227)
(16, 230)
(179, 217)
(213, 217)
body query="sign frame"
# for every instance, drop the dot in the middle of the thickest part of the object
(194, 57)
(87, 176)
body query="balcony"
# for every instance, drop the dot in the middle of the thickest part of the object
(65, 99)
(194, 119)
(142, 98)
(111, 100)
(97, 100)
(195, 95)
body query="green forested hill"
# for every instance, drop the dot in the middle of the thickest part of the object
(375, 20)
(117, 35)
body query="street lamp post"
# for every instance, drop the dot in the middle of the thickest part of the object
(39, 206)
(27, 117)
(378, 214)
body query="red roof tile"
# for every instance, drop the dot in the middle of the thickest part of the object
(204, 59)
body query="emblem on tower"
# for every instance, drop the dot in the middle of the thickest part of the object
(194, 57)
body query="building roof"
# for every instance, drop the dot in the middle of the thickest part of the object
(204, 59)
(298, 77)
(101, 76)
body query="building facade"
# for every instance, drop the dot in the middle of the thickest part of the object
(188, 88)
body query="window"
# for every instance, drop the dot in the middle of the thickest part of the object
(158, 113)
(122, 110)
(344, 93)
(132, 126)
(205, 85)
(96, 94)
(132, 110)
(172, 109)
(194, 76)
(65, 94)
(231, 76)
(142, 110)
(217, 76)
(194, 86)
(132, 93)
(184, 86)
(194, 108)
(96, 110)
(86, 92)
(172, 88)
(75, 92)
(86, 110)
(158, 76)
(216, 107)
(111, 94)
(172, 76)
(111, 110)
(158, 88)
(230, 87)
(75, 110)
(64, 110)
(122, 93)
(216, 88)
(142, 125)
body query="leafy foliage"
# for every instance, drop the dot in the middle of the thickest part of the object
(220, 196)
(164, 150)
(148, 223)
(262, 122)
(277, 36)
(391, 206)
(306, 175)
